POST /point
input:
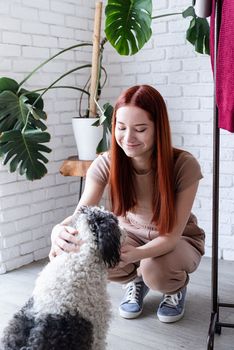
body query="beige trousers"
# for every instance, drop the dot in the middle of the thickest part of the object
(168, 273)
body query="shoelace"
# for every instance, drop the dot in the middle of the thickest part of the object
(133, 292)
(172, 300)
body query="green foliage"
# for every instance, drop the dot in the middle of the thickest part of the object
(105, 120)
(128, 24)
(23, 150)
(22, 115)
(198, 33)
(21, 130)
(8, 84)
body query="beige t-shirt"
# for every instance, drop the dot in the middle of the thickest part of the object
(187, 171)
(138, 222)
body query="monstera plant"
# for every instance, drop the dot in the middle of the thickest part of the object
(128, 26)
(22, 129)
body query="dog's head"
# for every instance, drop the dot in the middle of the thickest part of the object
(101, 227)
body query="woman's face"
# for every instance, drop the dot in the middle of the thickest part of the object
(134, 131)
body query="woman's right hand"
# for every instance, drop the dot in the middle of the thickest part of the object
(64, 239)
(63, 236)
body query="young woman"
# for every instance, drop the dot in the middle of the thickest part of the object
(152, 188)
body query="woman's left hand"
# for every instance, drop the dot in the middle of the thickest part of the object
(130, 254)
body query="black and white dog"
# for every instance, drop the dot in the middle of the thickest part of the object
(69, 308)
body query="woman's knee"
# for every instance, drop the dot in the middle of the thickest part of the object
(161, 277)
(153, 276)
(122, 274)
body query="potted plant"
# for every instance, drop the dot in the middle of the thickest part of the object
(22, 129)
(95, 115)
(82, 126)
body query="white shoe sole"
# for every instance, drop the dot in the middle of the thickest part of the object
(170, 319)
(129, 315)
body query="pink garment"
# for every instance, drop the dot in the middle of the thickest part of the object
(225, 64)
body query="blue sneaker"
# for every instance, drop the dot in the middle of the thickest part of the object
(171, 308)
(132, 303)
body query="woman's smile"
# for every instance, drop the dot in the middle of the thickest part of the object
(134, 132)
(131, 145)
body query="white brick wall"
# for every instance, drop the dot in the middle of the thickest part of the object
(185, 80)
(32, 30)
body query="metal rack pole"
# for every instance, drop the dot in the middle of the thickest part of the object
(215, 203)
(215, 325)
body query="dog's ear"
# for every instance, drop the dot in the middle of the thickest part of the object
(109, 241)
(107, 232)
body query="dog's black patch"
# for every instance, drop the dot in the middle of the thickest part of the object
(48, 332)
(18, 329)
(104, 226)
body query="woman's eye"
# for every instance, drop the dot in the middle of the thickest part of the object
(140, 130)
(121, 129)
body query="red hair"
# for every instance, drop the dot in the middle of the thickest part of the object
(122, 190)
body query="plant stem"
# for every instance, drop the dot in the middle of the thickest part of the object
(61, 77)
(51, 58)
(166, 15)
(57, 87)
(51, 85)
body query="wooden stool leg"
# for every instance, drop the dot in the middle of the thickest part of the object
(81, 186)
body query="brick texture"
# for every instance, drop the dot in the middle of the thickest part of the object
(32, 31)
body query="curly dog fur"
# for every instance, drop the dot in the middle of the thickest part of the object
(69, 308)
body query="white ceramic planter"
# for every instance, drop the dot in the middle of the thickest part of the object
(87, 137)
(203, 8)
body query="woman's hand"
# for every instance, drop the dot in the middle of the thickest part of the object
(130, 254)
(63, 239)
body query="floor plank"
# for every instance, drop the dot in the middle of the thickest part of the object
(146, 332)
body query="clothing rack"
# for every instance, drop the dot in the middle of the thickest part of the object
(215, 324)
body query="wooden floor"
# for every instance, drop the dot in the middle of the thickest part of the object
(146, 332)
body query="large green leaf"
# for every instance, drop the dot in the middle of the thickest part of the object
(198, 32)
(103, 145)
(14, 108)
(32, 98)
(23, 151)
(106, 117)
(8, 84)
(105, 120)
(128, 24)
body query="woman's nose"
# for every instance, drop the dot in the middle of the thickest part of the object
(129, 135)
